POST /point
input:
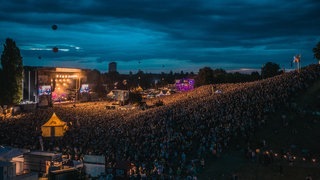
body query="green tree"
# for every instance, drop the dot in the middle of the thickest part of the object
(95, 77)
(270, 69)
(135, 97)
(316, 52)
(205, 76)
(254, 76)
(12, 69)
(219, 76)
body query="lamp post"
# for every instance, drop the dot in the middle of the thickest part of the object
(78, 83)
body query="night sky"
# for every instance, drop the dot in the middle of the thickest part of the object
(164, 35)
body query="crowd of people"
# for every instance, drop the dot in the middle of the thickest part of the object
(168, 141)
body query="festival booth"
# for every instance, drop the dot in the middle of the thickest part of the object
(14, 155)
(54, 127)
(40, 161)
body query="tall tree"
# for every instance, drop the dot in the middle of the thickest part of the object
(270, 69)
(219, 75)
(316, 52)
(12, 73)
(205, 76)
(95, 77)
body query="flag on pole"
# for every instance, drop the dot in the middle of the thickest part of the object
(296, 58)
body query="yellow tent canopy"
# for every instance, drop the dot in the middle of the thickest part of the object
(55, 127)
(139, 89)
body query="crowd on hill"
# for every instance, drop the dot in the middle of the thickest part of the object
(169, 141)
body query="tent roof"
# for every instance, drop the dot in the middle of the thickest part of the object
(110, 94)
(55, 121)
(139, 88)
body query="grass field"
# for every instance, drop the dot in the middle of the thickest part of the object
(294, 129)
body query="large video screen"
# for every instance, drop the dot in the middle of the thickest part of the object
(44, 90)
(84, 88)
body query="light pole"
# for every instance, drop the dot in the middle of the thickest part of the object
(78, 83)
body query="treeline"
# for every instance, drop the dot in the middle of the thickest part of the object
(114, 80)
(207, 75)
(11, 75)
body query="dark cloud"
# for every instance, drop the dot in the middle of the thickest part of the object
(101, 59)
(201, 31)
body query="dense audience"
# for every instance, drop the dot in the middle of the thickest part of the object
(170, 141)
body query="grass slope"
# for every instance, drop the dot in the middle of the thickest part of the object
(294, 129)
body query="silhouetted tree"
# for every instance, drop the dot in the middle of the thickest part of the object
(111, 78)
(255, 76)
(316, 52)
(142, 79)
(135, 97)
(205, 76)
(95, 78)
(12, 74)
(170, 78)
(219, 76)
(270, 69)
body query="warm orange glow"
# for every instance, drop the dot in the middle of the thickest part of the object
(68, 70)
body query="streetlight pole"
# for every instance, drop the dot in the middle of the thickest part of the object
(78, 79)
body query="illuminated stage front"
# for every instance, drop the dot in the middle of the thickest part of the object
(64, 87)
(58, 85)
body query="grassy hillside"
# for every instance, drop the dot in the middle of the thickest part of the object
(293, 129)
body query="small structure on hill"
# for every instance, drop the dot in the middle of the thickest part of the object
(184, 84)
(120, 96)
(54, 127)
(40, 161)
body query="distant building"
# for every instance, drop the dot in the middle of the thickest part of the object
(112, 67)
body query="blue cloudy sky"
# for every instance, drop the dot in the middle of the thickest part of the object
(164, 35)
